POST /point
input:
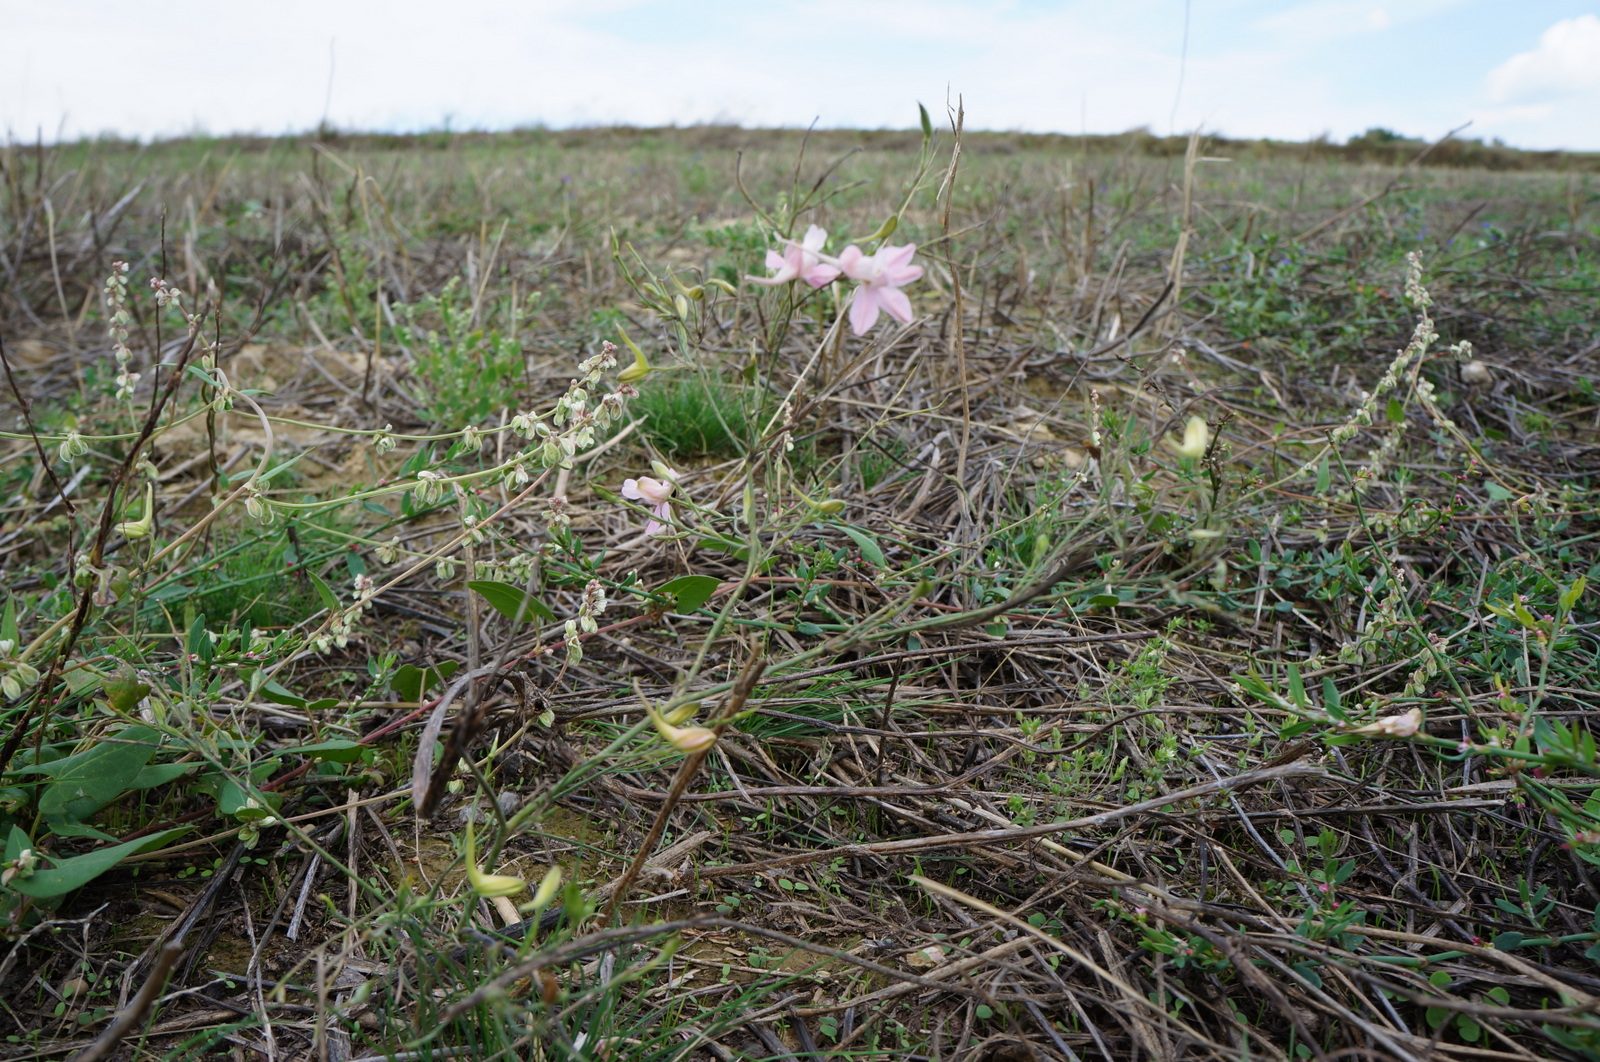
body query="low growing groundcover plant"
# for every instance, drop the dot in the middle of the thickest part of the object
(965, 597)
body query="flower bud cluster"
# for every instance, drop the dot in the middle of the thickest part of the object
(576, 415)
(429, 488)
(592, 607)
(555, 513)
(1406, 360)
(72, 446)
(339, 630)
(16, 675)
(1384, 622)
(255, 504)
(117, 305)
(21, 867)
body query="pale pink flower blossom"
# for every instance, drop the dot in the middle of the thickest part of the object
(881, 276)
(653, 492)
(800, 261)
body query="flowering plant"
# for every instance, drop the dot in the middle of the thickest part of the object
(879, 276)
(656, 493)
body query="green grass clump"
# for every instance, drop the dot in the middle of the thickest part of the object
(699, 416)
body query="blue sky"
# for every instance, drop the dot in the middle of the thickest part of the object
(1527, 71)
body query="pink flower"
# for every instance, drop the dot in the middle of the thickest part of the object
(654, 492)
(800, 261)
(881, 276)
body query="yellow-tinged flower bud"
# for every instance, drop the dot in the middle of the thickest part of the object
(640, 368)
(545, 895)
(141, 527)
(696, 293)
(722, 285)
(682, 738)
(682, 713)
(828, 506)
(886, 230)
(1196, 437)
(485, 884)
(681, 304)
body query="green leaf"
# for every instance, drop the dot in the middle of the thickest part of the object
(245, 805)
(411, 682)
(329, 601)
(73, 873)
(272, 691)
(1324, 476)
(199, 640)
(927, 123)
(1331, 702)
(63, 828)
(284, 467)
(1499, 995)
(1297, 688)
(200, 374)
(1469, 1029)
(1507, 941)
(86, 782)
(690, 591)
(124, 689)
(8, 623)
(158, 774)
(512, 602)
(1496, 491)
(1396, 412)
(871, 552)
(339, 751)
(17, 843)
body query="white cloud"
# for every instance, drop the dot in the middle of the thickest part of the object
(1322, 19)
(1566, 62)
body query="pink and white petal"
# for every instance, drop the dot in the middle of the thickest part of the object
(658, 518)
(820, 276)
(864, 310)
(896, 305)
(654, 491)
(630, 489)
(854, 264)
(816, 236)
(905, 275)
(896, 257)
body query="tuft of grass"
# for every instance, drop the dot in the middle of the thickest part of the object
(695, 415)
